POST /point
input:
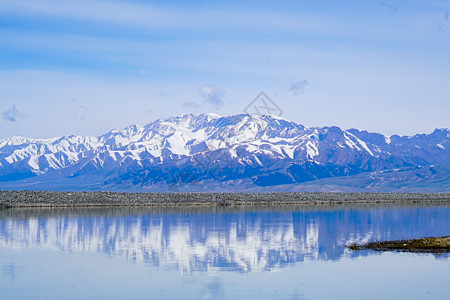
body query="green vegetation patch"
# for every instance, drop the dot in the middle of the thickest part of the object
(425, 245)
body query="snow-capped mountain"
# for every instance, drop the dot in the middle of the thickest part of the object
(212, 151)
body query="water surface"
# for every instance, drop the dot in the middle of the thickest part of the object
(217, 253)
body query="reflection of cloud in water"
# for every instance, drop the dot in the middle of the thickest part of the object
(213, 289)
(234, 241)
(9, 271)
(296, 295)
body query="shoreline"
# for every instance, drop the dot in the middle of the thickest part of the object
(23, 199)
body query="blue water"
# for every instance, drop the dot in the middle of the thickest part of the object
(286, 253)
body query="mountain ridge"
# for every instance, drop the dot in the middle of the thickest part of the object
(260, 150)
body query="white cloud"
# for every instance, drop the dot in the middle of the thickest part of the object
(213, 95)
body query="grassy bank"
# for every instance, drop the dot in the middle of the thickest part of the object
(425, 245)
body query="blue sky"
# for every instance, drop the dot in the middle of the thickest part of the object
(85, 67)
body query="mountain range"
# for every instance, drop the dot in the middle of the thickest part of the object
(207, 152)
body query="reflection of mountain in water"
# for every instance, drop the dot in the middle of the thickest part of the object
(234, 240)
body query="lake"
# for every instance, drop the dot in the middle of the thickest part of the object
(220, 253)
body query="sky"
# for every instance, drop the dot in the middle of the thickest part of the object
(85, 67)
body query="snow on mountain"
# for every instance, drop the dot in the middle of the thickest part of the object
(264, 150)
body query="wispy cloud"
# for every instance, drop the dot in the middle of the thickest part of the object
(79, 113)
(190, 104)
(389, 6)
(213, 95)
(443, 22)
(152, 16)
(166, 95)
(298, 87)
(11, 115)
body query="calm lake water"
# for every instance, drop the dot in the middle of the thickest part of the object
(210, 253)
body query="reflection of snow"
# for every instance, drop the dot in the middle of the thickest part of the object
(312, 239)
(236, 242)
(257, 248)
